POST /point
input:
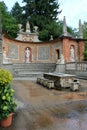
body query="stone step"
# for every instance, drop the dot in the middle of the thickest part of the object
(31, 75)
(30, 72)
(35, 65)
(32, 69)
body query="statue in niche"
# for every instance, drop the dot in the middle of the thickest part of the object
(5, 59)
(27, 55)
(72, 54)
(4, 54)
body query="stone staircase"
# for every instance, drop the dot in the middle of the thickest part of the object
(32, 70)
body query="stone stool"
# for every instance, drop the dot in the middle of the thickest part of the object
(50, 84)
(41, 80)
(45, 82)
(38, 80)
(75, 85)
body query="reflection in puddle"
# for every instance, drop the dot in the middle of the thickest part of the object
(79, 123)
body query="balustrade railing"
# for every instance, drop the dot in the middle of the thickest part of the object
(76, 66)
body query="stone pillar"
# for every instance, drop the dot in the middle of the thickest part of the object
(81, 42)
(66, 49)
(80, 36)
(81, 50)
(64, 27)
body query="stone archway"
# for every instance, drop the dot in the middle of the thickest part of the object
(58, 54)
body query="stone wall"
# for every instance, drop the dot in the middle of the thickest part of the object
(78, 49)
(44, 52)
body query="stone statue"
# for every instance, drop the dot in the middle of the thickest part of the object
(35, 29)
(27, 27)
(72, 54)
(51, 38)
(4, 54)
(5, 59)
(27, 55)
(62, 59)
(20, 27)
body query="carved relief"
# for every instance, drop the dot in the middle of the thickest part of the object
(13, 51)
(43, 52)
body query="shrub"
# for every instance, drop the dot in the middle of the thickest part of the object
(5, 77)
(7, 101)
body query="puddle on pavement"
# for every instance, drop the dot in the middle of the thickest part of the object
(74, 95)
(20, 105)
(45, 120)
(34, 93)
(68, 117)
(79, 123)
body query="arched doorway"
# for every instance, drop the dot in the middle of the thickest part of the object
(57, 54)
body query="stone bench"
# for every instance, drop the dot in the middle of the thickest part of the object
(45, 82)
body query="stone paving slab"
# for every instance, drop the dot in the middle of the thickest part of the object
(38, 107)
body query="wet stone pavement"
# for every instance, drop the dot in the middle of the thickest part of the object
(40, 108)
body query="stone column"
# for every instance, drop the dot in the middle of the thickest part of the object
(81, 42)
(64, 27)
(81, 50)
(66, 49)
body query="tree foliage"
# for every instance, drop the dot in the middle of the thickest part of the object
(85, 37)
(85, 33)
(42, 13)
(9, 24)
(85, 55)
(16, 12)
(54, 29)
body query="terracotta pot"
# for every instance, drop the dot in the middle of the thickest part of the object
(6, 122)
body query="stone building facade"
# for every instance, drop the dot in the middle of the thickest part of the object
(66, 48)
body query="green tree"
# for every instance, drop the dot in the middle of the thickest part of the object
(16, 12)
(42, 13)
(85, 37)
(53, 29)
(9, 25)
(85, 55)
(72, 31)
(85, 33)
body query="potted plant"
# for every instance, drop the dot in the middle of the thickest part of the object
(7, 101)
